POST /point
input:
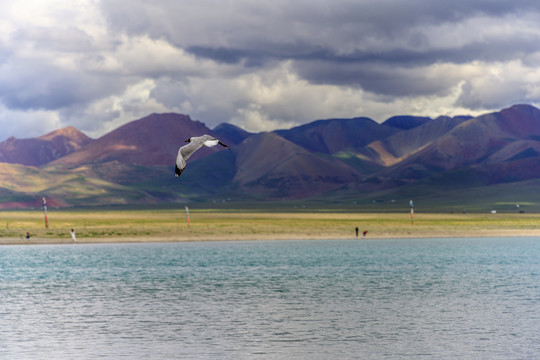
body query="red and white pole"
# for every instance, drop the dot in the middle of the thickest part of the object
(45, 211)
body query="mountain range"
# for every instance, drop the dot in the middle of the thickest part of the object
(445, 160)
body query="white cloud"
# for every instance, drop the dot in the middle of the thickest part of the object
(491, 85)
(27, 124)
(97, 64)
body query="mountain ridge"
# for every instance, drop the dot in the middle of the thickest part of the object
(44, 149)
(152, 140)
(353, 158)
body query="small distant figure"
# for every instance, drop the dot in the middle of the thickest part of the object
(365, 233)
(73, 238)
(356, 231)
(27, 235)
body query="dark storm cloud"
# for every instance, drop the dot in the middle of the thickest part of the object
(231, 56)
(279, 27)
(375, 78)
(334, 42)
(392, 57)
(239, 21)
(37, 85)
(263, 63)
(389, 72)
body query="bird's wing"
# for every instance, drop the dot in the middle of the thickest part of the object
(222, 144)
(187, 150)
(211, 143)
(180, 163)
(195, 144)
(183, 154)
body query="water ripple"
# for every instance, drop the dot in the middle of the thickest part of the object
(383, 299)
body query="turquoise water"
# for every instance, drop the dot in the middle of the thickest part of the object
(358, 299)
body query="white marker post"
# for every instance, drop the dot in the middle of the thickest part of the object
(187, 216)
(412, 211)
(45, 211)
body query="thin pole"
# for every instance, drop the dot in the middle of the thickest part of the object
(412, 211)
(45, 211)
(187, 216)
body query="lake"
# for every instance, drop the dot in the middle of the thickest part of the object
(336, 299)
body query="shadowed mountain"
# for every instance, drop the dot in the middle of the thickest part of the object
(150, 141)
(509, 135)
(331, 136)
(233, 133)
(399, 146)
(269, 164)
(341, 160)
(264, 166)
(406, 122)
(44, 149)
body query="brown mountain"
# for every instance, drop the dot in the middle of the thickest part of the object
(233, 133)
(153, 140)
(406, 122)
(509, 135)
(334, 135)
(134, 163)
(398, 147)
(271, 165)
(44, 149)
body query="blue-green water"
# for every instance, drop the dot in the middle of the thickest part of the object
(358, 299)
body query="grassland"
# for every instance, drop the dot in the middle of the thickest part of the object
(171, 225)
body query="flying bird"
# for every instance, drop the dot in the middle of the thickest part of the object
(195, 143)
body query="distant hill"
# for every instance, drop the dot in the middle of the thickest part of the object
(267, 166)
(401, 145)
(462, 160)
(23, 186)
(153, 140)
(493, 139)
(406, 122)
(44, 149)
(271, 165)
(233, 133)
(333, 135)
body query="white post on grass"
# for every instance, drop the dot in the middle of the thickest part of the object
(411, 204)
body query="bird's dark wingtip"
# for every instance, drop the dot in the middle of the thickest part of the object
(177, 171)
(222, 144)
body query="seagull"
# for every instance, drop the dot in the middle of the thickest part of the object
(195, 143)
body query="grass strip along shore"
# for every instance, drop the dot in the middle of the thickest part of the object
(215, 225)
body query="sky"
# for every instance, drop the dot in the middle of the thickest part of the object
(261, 65)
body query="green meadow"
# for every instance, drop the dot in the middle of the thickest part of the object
(97, 225)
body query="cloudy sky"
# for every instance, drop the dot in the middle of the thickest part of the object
(262, 64)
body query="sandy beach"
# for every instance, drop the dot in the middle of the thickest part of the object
(263, 237)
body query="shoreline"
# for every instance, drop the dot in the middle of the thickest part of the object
(170, 226)
(499, 233)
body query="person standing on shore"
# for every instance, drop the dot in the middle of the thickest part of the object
(73, 238)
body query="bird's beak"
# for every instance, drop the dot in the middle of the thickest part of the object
(187, 140)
